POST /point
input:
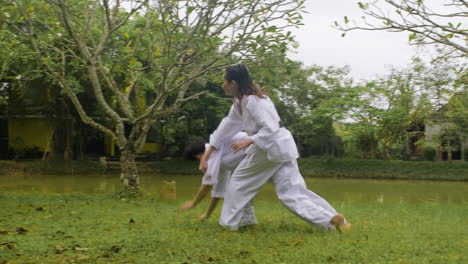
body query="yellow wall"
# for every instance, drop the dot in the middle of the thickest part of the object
(28, 133)
(109, 146)
(150, 148)
(34, 132)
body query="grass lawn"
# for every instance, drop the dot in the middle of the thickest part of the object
(98, 228)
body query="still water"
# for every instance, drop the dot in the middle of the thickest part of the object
(350, 190)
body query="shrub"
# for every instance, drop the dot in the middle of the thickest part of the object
(429, 153)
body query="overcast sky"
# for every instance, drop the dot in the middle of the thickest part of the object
(369, 53)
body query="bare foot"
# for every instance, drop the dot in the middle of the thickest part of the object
(185, 206)
(203, 217)
(339, 222)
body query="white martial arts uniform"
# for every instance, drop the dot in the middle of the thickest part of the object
(221, 164)
(272, 157)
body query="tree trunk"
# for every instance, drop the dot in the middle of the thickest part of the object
(129, 169)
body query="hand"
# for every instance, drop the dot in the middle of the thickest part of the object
(185, 206)
(236, 146)
(203, 164)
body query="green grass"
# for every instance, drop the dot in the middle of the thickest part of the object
(99, 228)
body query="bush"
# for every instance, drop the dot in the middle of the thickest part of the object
(63, 167)
(383, 169)
(465, 154)
(429, 153)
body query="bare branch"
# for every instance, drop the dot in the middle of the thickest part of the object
(417, 18)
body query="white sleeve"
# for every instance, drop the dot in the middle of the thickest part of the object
(264, 114)
(214, 162)
(229, 126)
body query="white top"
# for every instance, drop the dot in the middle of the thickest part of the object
(261, 122)
(225, 157)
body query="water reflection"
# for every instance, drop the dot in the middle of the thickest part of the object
(350, 190)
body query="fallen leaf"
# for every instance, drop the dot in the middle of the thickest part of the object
(104, 255)
(81, 257)
(296, 243)
(9, 245)
(80, 249)
(116, 248)
(21, 231)
(59, 249)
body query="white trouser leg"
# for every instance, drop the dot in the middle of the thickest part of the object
(219, 189)
(254, 171)
(248, 215)
(293, 193)
(224, 176)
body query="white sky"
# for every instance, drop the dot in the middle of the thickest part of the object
(368, 53)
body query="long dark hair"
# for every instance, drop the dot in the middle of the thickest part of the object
(240, 74)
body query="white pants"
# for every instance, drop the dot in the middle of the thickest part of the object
(253, 172)
(219, 191)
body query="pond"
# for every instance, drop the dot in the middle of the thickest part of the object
(347, 190)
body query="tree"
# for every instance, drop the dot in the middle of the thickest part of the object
(28, 90)
(308, 99)
(195, 120)
(447, 83)
(394, 109)
(130, 51)
(427, 22)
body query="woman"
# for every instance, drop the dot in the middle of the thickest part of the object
(271, 154)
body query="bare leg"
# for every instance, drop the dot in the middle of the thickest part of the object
(213, 203)
(201, 194)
